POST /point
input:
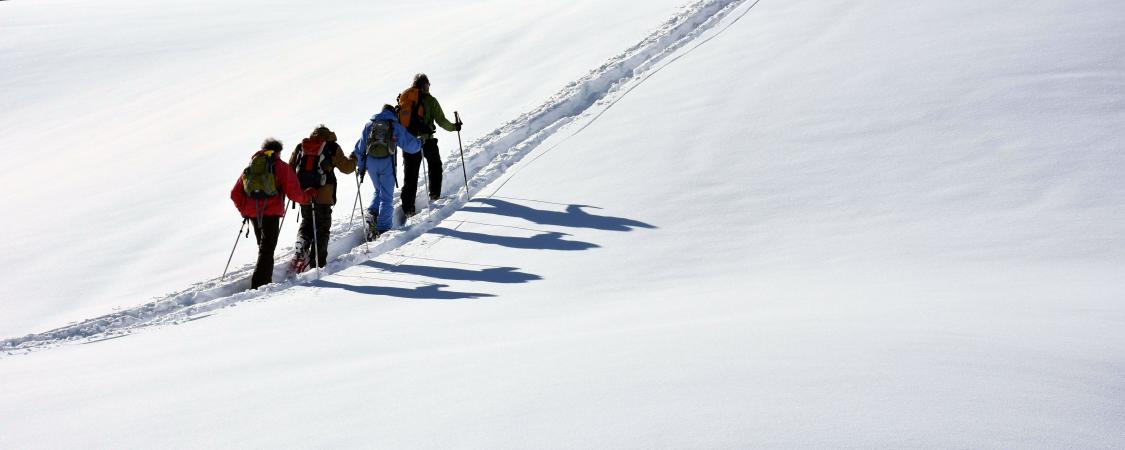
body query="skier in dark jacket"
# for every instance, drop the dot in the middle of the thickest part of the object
(265, 214)
(329, 155)
(420, 110)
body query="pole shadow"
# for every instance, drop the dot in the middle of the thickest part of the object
(575, 216)
(427, 292)
(505, 275)
(542, 241)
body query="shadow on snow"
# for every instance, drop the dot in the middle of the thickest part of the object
(505, 275)
(427, 292)
(542, 241)
(575, 216)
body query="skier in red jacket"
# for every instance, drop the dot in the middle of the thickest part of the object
(265, 211)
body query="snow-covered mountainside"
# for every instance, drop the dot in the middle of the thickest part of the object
(729, 224)
(141, 116)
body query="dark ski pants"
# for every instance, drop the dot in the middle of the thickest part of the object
(323, 227)
(410, 165)
(267, 233)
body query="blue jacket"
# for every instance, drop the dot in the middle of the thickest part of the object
(406, 141)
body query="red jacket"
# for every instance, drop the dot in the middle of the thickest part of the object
(286, 181)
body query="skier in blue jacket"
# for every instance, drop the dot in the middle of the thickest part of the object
(375, 154)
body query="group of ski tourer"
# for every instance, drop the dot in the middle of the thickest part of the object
(309, 179)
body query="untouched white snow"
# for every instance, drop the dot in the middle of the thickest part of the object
(808, 224)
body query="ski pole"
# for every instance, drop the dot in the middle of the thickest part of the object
(362, 211)
(316, 242)
(457, 119)
(356, 202)
(237, 237)
(283, 214)
(425, 173)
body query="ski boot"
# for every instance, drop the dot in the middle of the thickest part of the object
(406, 215)
(372, 231)
(302, 256)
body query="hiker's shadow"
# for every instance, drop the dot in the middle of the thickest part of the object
(575, 216)
(426, 292)
(543, 241)
(506, 275)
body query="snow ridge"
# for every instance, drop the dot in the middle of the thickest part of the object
(487, 160)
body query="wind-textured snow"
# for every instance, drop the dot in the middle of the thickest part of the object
(799, 224)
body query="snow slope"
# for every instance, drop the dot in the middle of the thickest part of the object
(143, 114)
(487, 159)
(808, 224)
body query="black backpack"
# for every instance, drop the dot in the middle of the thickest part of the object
(381, 139)
(314, 163)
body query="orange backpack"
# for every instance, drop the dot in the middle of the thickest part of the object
(410, 110)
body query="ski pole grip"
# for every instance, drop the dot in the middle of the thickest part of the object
(456, 117)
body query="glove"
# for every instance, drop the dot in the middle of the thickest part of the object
(457, 126)
(311, 193)
(361, 174)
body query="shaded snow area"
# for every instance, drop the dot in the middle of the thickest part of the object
(723, 224)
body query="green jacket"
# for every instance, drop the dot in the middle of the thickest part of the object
(431, 112)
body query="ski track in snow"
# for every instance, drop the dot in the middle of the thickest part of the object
(487, 159)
